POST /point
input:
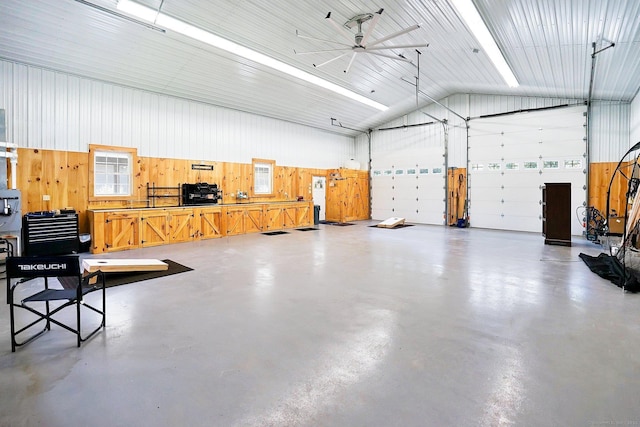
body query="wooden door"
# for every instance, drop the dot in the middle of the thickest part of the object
(210, 223)
(457, 195)
(154, 228)
(289, 217)
(234, 221)
(181, 225)
(304, 216)
(120, 232)
(253, 220)
(274, 217)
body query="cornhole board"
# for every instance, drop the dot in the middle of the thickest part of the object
(391, 222)
(122, 265)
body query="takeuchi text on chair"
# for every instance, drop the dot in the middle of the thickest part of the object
(47, 302)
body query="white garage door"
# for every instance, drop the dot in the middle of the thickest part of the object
(510, 159)
(408, 181)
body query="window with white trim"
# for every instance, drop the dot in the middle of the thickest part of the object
(112, 172)
(263, 177)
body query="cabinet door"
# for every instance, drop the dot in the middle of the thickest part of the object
(289, 217)
(120, 232)
(274, 218)
(253, 220)
(303, 216)
(181, 225)
(210, 223)
(234, 221)
(154, 228)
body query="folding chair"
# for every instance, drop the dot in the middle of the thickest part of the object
(6, 251)
(21, 269)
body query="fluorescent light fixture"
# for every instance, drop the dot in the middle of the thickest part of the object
(470, 15)
(195, 33)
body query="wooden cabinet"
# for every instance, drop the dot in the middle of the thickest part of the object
(181, 225)
(210, 222)
(347, 195)
(304, 215)
(159, 227)
(120, 232)
(121, 229)
(154, 226)
(254, 219)
(556, 213)
(280, 216)
(243, 219)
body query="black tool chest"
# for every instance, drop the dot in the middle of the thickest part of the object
(50, 234)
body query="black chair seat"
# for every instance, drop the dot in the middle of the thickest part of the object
(56, 295)
(39, 304)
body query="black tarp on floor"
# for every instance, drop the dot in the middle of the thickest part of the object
(610, 268)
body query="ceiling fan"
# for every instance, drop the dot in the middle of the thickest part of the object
(362, 44)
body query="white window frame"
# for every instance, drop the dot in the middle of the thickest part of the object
(263, 172)
(107, 183)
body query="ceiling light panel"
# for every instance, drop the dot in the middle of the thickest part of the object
(184, 28)
(469, 14)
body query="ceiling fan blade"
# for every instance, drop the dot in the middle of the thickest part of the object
(351, 62)
(321, 40)
(396, 34)
(372, 25)
(340, 29)
(396, 57)
(404, 46)
(331, 60)
(321, 51)
(373, 64)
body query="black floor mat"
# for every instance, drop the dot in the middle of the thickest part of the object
(274, 233)
(115, 279)
(339, 224)
(307, 229)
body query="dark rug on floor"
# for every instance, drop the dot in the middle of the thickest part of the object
(116, 279)
(274, 233)
(339, 224)
(307, 229)
(610, 268)
(391, 228)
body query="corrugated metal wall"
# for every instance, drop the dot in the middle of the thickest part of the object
(53, 110)
(634, 120)
(610, 131)
(611, 123)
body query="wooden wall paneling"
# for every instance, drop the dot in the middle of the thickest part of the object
(335, 196)
(599, 179)
(232, 181)
(64, 177)
(285, 183)
(56, 182)
(29, 180)
(78, 187)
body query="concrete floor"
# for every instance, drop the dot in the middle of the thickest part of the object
(345, 326)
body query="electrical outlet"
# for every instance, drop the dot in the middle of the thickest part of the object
(46, 197)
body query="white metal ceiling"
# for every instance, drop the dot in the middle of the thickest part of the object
(548, 43)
